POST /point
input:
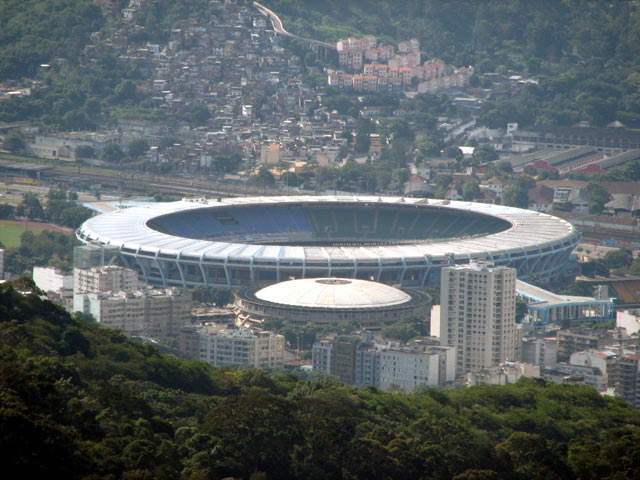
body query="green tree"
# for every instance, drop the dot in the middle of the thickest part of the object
(255, 431)
(363, 129)
(263, 178)
(563, 206)
(226, 163)
(7, 211)
(484, 153)
(290, 179)
(85, 151)
(138, 148)
(597, 196)
(622, 257)
(521, 310)
(405, 330)
(112, 153)
(125, 91)
(443, 180)
(168, 142)
(14, 143)
(470, 190)
(30, 207)
(198, 114)
(515, 196)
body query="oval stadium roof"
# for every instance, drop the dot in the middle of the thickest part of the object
(128, 229)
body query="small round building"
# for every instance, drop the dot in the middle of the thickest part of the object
(366, 304)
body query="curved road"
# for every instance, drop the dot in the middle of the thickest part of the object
(279, 29)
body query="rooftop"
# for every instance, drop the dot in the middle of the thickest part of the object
(333, 293)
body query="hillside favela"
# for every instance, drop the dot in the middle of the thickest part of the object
(320, 239)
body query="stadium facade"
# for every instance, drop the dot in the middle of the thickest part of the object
(236, 242)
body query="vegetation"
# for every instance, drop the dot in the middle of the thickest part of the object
(584, 53)
(619, 262)
(33, 32)
(405, 330)
(220, 297)
(60, 209)
(40, 249)
(82, 401)
(10, 232)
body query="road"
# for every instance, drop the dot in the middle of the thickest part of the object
(279, 29)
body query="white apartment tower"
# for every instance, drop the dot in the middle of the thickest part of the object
(150, 313)
(477, 314)
(104, 279)
(241, 347)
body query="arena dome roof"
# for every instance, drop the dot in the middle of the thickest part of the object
(333, 293)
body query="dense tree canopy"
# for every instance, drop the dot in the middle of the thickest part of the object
(80, 400)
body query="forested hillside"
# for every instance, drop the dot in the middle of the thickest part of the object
(586, 53)
(33, 32)
(81, 401)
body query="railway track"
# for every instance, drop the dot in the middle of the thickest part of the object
(145, 183)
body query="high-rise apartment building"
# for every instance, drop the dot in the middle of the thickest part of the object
(477, 314)
(150, 313)
(104, 279)
(623, 372)
(241, 347)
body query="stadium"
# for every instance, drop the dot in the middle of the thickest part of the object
(362, 303)
(234, 242)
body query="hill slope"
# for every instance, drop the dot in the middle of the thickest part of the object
(82, 401)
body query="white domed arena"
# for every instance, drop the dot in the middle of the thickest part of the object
(363, 303)
(235, 242)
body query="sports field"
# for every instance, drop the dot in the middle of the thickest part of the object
(10, 230)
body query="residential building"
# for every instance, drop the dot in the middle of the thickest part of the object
(623, 377)
(414, 366)
(104, 279)
(629, 320)
(495, 185)
(577, 374)
(594, 364)
(360, 361)
(189, 339)
(270, 154)
(241, 347)
(503, 374)
(539, 351)
(337, 357)
(150, 313)
(540, 198)
(577, 340)
(51, 279)
(477, 314)
(56, 146)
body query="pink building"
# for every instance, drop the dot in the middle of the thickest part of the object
(350, 59)
(412, 45)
